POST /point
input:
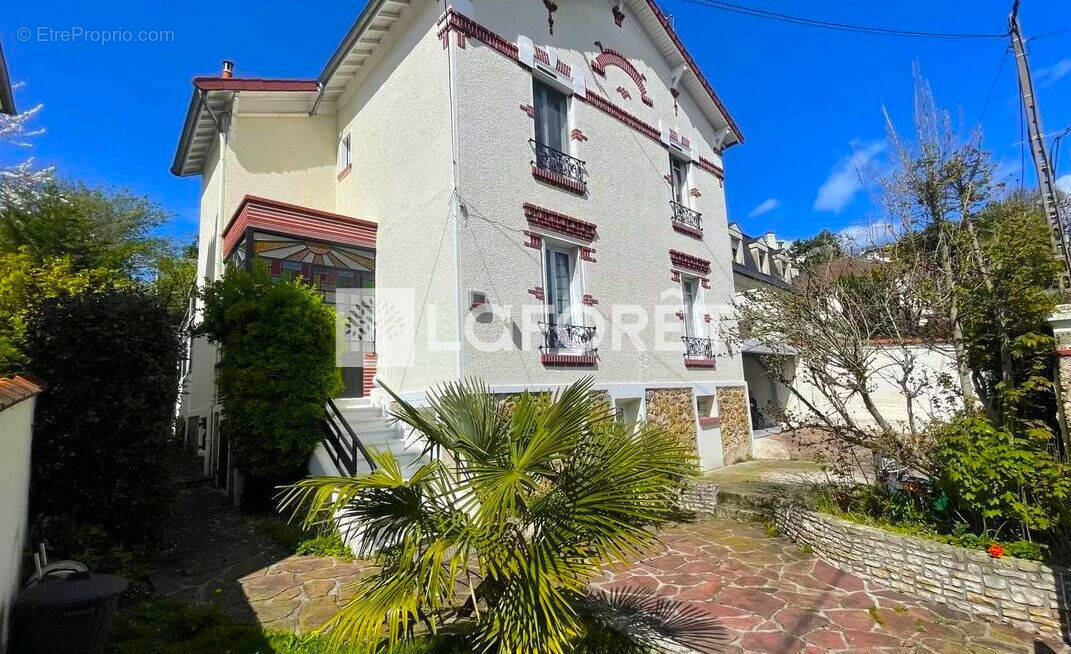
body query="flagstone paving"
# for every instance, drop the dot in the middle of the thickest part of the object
(774, 598)
(763, 594)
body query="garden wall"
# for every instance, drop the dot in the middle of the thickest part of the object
(16, 427)
(1024, 594)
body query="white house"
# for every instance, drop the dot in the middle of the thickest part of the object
(533, 192)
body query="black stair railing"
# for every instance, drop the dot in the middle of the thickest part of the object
(342, 443)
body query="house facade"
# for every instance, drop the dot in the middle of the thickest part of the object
(761, 263)
(531, 193)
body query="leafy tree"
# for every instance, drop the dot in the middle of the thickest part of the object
(822, 248)
(276, 372)
(21, 182)
(110, 359)
(523, 503)
(175, 276)
(93, 227)
(1012, 238)
(24, 284)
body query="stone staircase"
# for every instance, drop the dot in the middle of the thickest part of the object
(375, 430)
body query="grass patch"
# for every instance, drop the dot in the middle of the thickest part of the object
(770, 529)
(166, 626)
(805, 548)
(296, 540)
(875, 616)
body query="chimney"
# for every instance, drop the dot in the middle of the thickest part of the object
(228, 69)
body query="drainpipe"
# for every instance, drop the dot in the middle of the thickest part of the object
(457, 208)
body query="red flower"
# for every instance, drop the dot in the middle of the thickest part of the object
(995, 550)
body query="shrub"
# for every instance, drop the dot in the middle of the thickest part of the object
(994, 477)
(276, 372)
(532, 497)
(296, 540)
(110, 359)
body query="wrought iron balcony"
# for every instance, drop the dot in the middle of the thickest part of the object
(556, 161)
(698, 348)
(563, 337)
(690, 219)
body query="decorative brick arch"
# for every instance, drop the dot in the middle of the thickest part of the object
(610, 57)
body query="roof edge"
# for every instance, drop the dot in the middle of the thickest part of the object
(7, 98)
(697, 70)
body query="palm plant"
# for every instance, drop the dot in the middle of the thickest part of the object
(521, 503)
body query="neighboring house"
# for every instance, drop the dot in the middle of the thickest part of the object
(7, 100)
(474, 166)
(763, 263)
(17, 399)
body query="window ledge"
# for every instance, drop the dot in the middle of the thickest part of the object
(709, 422)
(345, 171)
(685, 229)
(567, 359)
(700, 363)
(561, 181)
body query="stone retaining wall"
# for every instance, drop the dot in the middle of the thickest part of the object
(1024, 594)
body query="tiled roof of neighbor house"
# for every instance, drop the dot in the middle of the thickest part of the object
(16, 389)
(7, 100)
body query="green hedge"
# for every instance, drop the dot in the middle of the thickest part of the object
(276, 372)
(110, 359)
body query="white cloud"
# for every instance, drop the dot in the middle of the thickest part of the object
(766, 206)
(843, 183)
(1054, 73)
(860, 236)
(1064, 184)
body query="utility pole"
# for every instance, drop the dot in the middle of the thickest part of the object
(1042, 164)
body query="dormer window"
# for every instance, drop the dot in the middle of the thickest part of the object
(764, 264)
(738, 250)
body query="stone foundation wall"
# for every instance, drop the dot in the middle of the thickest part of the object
(1024, 594)
(701, 497)
(735, 424)
(673, 410)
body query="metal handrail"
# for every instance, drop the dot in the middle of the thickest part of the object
(333, 422)
(698, 348)
(564, 336)
(686, 216)
(556, 161)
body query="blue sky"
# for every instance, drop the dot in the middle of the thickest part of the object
(809, 101)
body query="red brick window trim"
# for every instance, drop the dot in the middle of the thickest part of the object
(700, 363)
(559, 180)
(687, 229)
(567, 359)
(710, 422)
(345, 171)
(560, 223)
(682, 260)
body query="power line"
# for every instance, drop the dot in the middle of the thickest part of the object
(993, 86)
(844, 27)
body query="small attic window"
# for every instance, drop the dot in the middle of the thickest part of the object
(344, 154)
(738, 251)
(764, 265)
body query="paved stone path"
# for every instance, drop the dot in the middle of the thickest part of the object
(215, 555)
(772, 598)
(763, 593)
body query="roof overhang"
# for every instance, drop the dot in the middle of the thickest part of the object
(658, 27)
(210, 105)
(360, 45)
(294, 220)
(7, 99)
